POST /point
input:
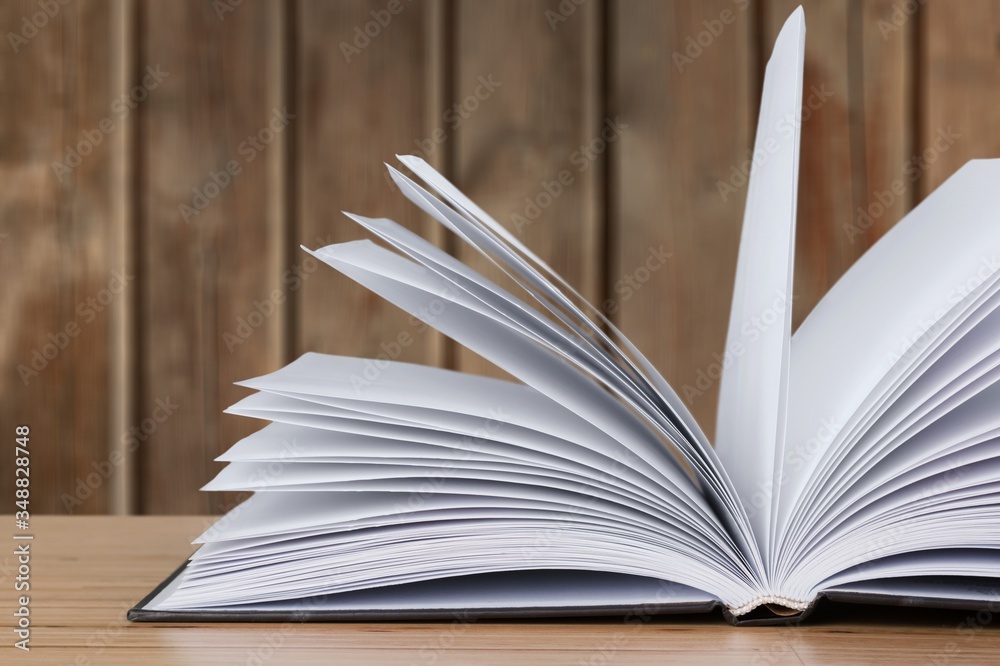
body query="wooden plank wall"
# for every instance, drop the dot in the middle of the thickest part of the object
(163, 265)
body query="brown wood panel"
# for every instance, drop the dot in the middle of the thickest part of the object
(960, 87)
(856, 129)
(823, 250)
(884, 124)
(524, 108)
(212, 295)
(61, 219)
(361, 99)
(689, 112)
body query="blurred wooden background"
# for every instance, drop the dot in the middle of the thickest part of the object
(126, 317)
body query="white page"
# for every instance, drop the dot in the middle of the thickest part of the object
(944, 445)
(292, 514)
(321, 515)
(384, 560)
(544, 292)
(672, 418)
(849, 342)
(908, 392)
(691, 517)
(955, 483)
(978, 563)
(221, 555)
(281, 441)
(753, 389)
(419, 292)
(476, 437)
(292, 475)
(916, 518)
(512, 413)
(572, 345)
(317, 437)
(526, 270)
(952, 415)
(527, 589)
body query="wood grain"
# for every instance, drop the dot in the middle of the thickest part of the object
(87, 571)
(827, 160)
(856, 132)
(885, 124)
(689, 121)
(211, 309)
(525, 106)
(960, 87)
(361, 98)
(62, 216)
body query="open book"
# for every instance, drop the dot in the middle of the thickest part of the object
(857, 460)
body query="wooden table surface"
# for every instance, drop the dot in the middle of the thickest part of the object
(87, 571)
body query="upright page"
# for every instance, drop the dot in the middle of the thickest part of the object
(753, 390)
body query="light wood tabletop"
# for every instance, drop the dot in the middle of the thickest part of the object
(87, 571)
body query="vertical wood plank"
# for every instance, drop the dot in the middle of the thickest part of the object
(123, 364)
(823, 250)
(688, 111)
(888, 70)
(523, 111)
(61, 218)
(960, 87)
(366, 87)
(212, 296)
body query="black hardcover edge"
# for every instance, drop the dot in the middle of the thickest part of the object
(138, 613)
(953, 603)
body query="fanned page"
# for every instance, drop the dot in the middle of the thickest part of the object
(892, 456)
